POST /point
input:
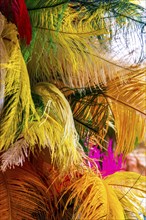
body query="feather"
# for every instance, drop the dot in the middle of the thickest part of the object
(16, 12)
(127, 103)
(17, 107)
(57, 120)
(3, 58)
(119, 104)
(22, 194)
(35, 122)
(130, 190)
(109, 162)
(15, 155)
(90, 111)
(94, 199)
(73, 30)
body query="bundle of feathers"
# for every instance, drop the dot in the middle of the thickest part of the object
(71, 71)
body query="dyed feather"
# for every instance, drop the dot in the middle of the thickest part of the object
(18, 108)
(91, 112)
(16, 12)
(94, 199)
(57, 120)
(130, 190)
(128, 104)
(22, 194)
(123, 109)
(109, 162)
(15, 155)
(3, 58)
(73, 30)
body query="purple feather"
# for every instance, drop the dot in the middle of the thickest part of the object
(110, 163)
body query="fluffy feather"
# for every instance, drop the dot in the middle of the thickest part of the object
(130, 190)
(120, 105)
(3, 58)
(127, 103)
(94, 199)
(18, 107)
(73, 30)
(15, 155)
(57, 120)
(22, 194)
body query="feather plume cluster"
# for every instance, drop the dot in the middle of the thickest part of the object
(81, 75)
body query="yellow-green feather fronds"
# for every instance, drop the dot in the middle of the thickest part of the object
(119, 105)
(18, 105)
(3, 58)
(55, 129)
(70, 41)
(42, 118)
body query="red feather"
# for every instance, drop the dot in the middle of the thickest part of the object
(16, 12)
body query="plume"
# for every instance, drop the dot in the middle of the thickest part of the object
(17, 106)
(120, 105)
(109, 162)
(15, 155)
(130, 190)
(3, 58)
(94, 199)
(22, 194)
(80, 31)
(56, 119)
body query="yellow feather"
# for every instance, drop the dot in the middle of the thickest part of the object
(68, 50)
(130, 189)
(18, 102)
(94, 199)
(3, 58)
(55, 129)
(127, 102)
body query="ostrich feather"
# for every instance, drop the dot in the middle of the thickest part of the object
(57, 120)
(16, 12)
(15, 155)
(130, 190)
(22, 194)
(3, 58)
(74, 30)
(128, 104)
(17, 107)
(122, 107)
(21, 117)
(94, 199)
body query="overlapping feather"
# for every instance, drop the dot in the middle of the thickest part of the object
(38, 120)
(73, 30)
(119, 105)
(91, 112)
(22, 194)
(94, 199)
(3, 58)
(18, 106)
(128, 105)
(55, 129)
(131, 191)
